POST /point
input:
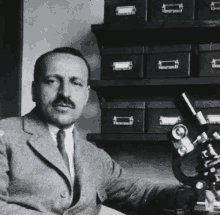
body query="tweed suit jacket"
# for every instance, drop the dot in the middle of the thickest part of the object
(34, 179)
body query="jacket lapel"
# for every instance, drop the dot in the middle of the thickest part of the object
(43, 143)
(84, 181)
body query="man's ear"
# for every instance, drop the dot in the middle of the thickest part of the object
(33, 91)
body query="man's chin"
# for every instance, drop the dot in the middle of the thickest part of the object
(65, 119)
(63, 122)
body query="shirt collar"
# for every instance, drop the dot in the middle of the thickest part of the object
(53, 129)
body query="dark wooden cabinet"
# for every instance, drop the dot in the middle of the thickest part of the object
(193, 32)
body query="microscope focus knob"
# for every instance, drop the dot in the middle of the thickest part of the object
(179, 131)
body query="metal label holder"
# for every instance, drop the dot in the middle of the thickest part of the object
(215, 5)
(123, 120)
(172, 64)
(125, 10)
(213, 119)
(169, 120)
(215, 63)
(172, 8)
(118, 66)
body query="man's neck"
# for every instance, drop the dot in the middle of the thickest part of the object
(67, 128)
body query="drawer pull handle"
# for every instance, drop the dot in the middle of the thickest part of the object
(172, 64)
(169, 120)
(172, 8)
(125, 10)
(122, 65)
(123, 120)
(213, 119)
(215, 63)
(215, 5)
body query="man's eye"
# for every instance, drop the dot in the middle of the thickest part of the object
(51, 81)
(77, 83)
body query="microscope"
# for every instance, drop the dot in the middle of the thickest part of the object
(207, 175)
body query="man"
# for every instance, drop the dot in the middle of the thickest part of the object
(47, 168)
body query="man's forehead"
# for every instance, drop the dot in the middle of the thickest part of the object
(59, 58)
(61, 62)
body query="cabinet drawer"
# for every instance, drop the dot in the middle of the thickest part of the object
(171, 10)
(211, 112)
(125, 12)
(165, 62)
(122, 63)
(161, 116)
(209, 60)
(168, 65)
(208, 10)
(122, 117)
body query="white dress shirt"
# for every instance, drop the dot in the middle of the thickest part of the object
(69, 143)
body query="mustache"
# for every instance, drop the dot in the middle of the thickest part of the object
(63, 101)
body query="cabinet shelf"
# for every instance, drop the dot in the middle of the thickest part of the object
(159, 33)
(110, 89)
(99, 84)
(126, 137)
(155, 25)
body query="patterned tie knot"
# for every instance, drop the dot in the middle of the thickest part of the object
(61, 137)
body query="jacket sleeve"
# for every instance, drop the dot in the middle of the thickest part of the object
(7, 208)
(129, 193)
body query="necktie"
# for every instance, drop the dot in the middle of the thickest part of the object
(61, 146)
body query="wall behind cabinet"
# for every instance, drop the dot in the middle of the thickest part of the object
(53, 23)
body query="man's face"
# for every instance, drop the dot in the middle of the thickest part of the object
(62, 91)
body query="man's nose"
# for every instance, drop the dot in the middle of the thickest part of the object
(65, 90)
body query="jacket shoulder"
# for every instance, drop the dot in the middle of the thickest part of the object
(95, 152)
(10, 123)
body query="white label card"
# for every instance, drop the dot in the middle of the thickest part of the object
(213, 119)
(172, 8)
(125, 10)
(123, 120)
(215, 63)
(122, 66)
(171, 64)
(215, 5)
(169, 120)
